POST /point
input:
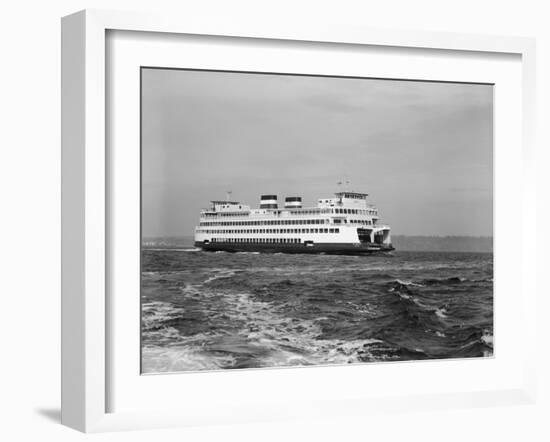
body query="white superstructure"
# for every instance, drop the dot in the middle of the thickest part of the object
(343, 224)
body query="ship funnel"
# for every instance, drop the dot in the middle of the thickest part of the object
(268, 202)
(293, 202)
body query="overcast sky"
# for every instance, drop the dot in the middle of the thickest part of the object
(423, 151)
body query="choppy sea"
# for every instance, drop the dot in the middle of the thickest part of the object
(212, 311)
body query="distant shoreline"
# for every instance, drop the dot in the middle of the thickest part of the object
(409, 243)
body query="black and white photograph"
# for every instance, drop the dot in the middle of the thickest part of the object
(298, 220)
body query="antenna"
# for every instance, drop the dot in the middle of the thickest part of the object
(228, 195)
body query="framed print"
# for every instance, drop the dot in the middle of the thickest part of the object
(313, 279)
(275, 222)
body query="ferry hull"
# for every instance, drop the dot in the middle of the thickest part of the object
(326, 248)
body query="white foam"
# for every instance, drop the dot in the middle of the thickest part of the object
(409, 283)
(156, 312)
(181, 358)
(219, 274)
(174, 249)
(487, 339)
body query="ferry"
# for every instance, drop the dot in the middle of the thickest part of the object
(345, 224)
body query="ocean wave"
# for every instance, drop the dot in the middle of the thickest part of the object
(487, 338)
(174, 249)
(264, 337)
(206, 312)
(158, 359)
(156, 313)
(220, 274)
(408, 283)
(445, 281)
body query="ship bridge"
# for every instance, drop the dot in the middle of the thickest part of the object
(347, 200)
(225, 208)
(352, 195)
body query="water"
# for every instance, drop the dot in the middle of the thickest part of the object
(211, 311)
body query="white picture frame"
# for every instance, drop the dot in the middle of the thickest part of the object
(86, 201)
